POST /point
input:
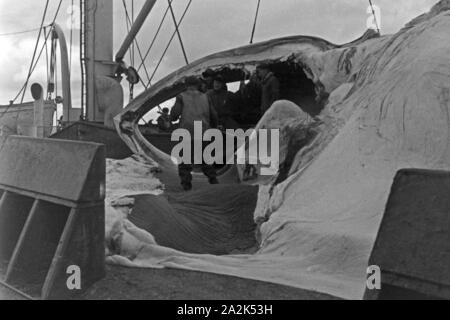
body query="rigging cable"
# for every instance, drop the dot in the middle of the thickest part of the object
(170, 41)
(40, 53)
(35, 50)
(129, 24)
(255, 22)
(374, 16)
(35, 64)
(137, 45)
(18, 32)
(154, 38)
(47, 64)
(56, 71)
(178, 32)
(71, 39)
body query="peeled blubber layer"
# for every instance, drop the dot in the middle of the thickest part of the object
(211, 220)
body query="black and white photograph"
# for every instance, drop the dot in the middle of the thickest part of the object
(224, 156)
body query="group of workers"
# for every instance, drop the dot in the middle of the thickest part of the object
(209, 101)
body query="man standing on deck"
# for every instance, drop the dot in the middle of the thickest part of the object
(270, 87)
(193, 106)
(164, 123)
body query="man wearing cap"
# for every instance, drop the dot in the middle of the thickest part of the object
(222, 101)
(193, 106)
(270, 87)
(164, 123)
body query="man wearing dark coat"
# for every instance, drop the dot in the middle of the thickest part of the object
(194, 106)
(270, 87)
(223, 102)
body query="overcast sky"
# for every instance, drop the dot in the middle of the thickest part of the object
(210, 26)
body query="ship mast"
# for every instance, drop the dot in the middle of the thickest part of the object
(97, 52)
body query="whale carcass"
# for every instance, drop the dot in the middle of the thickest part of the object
(387, 107)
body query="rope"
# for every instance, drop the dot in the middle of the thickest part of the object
(170, 42)
(133, 48)
(42, 50)
(47, 66)
(131, 51)
(16, 291)
(71, 39)
(35, 64)
(255, 22)
(374, 16)
(35, 50)
(178, 32)
(154, 38)
(128, 24)
(82, 48)
(18, 32)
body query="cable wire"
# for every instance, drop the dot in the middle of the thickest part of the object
(40, 53)
(35, 50)
(170, 42)
(71, 39)
(255, 22)
(18, 32)
(137, 44)
(178, 32)
(154, 38)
